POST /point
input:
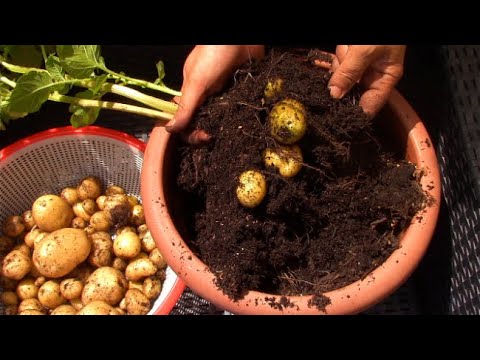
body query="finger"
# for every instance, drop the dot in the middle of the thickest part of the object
(341, 52)
(379, 87)
(349, 72)
(192, 97)
(196, 137)
(176, 99)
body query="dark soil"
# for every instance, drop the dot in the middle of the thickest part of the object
(328, 226)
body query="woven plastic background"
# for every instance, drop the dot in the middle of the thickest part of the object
(459, 147)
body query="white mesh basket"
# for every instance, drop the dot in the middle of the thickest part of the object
(51, 160)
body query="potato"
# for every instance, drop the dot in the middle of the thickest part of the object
(34, 272)
(90, 230)
(76, 303)
(6, 244)
(120, 311)
(82, 272)
(39, 281)
(64, 310)
(123, 304)
(98, 308)
(287, 159)
(26, 289)
(16, 265)
(135, 285)
(118, 209)
(90, 206)
(105, 284)
(90, 188)
(142, 255)
(119, 264)
(51, 213)
(50, 295)
(288, 121)
(138, 216)
(148, 244)
(34, 237)
(28, 220)
(139, 269)
(70, 195)
(31, 304)
(9, 298)
(273, 87)
(142, 229)
(251, 189)
(132, 200)
(127, 245)
(113, 190)
(23, 248)
(101, 202)
(61, 251)
(151, 288)
(80, 212)
(31, 312)
(137, 303)
(79, 223)
(102, 249)
(125, 229)
(71, 288)
(100, 221)
(13, 226)
(157, 259)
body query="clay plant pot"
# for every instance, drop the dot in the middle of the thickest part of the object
(161, 203)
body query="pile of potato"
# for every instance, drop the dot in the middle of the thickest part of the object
(85, 252)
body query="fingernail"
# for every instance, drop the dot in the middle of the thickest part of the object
(336, 92)
(169, 126)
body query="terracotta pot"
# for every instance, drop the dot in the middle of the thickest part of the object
(157, 190)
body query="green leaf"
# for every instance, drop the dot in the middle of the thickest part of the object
(161, 73)
(84, 116)
(57, 73)
(25, 55)
(99, 81)
(32, 90)
(79, 61)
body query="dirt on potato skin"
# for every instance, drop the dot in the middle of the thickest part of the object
(328, 226)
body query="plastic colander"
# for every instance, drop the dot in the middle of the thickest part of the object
(51, 160)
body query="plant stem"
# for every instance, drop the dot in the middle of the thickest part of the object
(16, 68)
(8, 81)
(143, 83)
(44, 53)
(111, 106)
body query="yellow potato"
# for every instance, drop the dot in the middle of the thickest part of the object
(138, 216)
(101, 253)
(100, 221)
(136, 302)
(132, 200)
(118, 209)
(50, 295)
(288, 121)
(98, 308)
(151, 288)
(105, 284)
(76, 303)
(28, 220)
(127, 245)
(34, 272)
(70, 195)
(142, 255)
(79, 223)
(13, 226)
(273, 87)
(135, 285)
(64, 310)
(31, 304)
(157, 258)
(120, 264)
(81, 272)
(31, 312)
(113, 190)
(51, 213)
(287, 159)
(101, 202)
(61, 251)
(142, 229)
(71, 288)
(80, 212)
(139, 269)
(34, 236)
(148, 244)
(251, 189)
(120, 311)
(16, 265)
(26, 289)
(40, 281)
(23, 248)
(90, 188)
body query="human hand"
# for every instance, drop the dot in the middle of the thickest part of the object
(205, 72)
(377, 67)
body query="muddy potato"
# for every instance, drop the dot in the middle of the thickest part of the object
(273, 87)
(105, 284)
(127, 245)
(138, 216)
(90, 230)
(157, 259)
(16, 265)
(114, 190)
(251, 189)
(118, 209)
(80, 212)
(9, 298)
(98, 308)
(90, 188)
(23, 248)
(288, 121)
(119, 264)
(135, 285)
(137, 303)
(70, 195)
(6, 244)
(28, 220)
(50, 295)
(31, 304)
(26, 289)
(151, 287)
(79, 223)
(139, 269)
(51, 213)
(142, 229)
(13, 226)
(287, 159)
(132, 200)
(71, 288)
(148, 244)
(31, 312)
(77, 303)
(102, 249)
(61, 251)
(101, 202)
(100, 221)
(64, 310)
(11, 310)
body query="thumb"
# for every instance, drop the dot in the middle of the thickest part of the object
(192, 97)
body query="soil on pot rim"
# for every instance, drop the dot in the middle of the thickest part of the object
(330, 225)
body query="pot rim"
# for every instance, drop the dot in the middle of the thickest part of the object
(350, 299)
